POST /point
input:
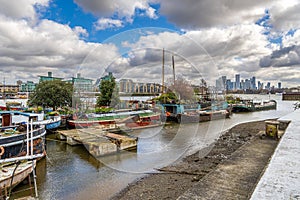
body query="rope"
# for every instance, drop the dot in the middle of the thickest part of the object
(12, 178)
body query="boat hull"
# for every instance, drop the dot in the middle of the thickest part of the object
(9, 180)
(133, 121)
(254, 107)
(202, 117)
(15, 145)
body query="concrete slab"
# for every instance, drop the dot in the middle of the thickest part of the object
(237, 176)
(281, 179)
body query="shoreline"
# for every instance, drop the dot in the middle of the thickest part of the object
(170, 182)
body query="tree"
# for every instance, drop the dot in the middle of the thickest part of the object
(182, 89)
(109, 93)
(53, 94)
(169, 97)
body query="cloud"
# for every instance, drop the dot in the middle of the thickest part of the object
(124, 10)
(285, 15)
(193, 14)
(80, 32)
(105, 23)
(49, 46)
(287, 55)
(20, 9)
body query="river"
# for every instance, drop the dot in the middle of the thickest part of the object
(69, 172)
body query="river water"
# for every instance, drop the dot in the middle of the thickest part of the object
(69, 172)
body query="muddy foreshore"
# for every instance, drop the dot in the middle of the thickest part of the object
(172, 181)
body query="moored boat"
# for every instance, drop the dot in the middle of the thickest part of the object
(187, 113)
(251, 106)
(53, 122)
(131, 119)
(15, 140)
(18, 117)
(13, 174)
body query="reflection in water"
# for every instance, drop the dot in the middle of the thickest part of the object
(69, 172)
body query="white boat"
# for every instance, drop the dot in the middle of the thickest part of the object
(13, 174)
(17, 117)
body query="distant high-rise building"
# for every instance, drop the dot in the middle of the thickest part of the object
(253, 83)
(247, 84)
(242, 85)
(259, 85)
(224, 81)
(237, 81)
(268, 86)
(279, 85)
(229, 84)
(219, 84)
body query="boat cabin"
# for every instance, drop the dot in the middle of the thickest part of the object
(179, 108)
(11, 118)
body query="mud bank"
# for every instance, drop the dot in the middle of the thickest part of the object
(171, 182)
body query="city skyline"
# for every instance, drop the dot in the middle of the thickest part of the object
(243, 83)
(207, 38)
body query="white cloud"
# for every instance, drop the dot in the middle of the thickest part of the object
(49, 46)
(20, 9)
(206, 53)
(80, 32)
(285, 15)
(105, 23)
(123, 9)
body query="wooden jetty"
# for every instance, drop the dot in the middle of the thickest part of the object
(97, 141)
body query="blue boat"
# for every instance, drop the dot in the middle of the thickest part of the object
(52, 123)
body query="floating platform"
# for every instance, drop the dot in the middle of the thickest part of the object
(97, 141)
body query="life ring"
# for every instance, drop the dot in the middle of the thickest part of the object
(1, 150)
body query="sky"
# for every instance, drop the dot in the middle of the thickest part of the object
(207, 38)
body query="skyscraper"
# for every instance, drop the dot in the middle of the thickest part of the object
(253, 82)
(224, 82)
(237, 81)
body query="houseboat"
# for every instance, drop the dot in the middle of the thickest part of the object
(251, 106)
(188, 113)
(132, 119)
(15, 137)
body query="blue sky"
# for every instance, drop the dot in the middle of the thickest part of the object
(208, 39)
(68, 12)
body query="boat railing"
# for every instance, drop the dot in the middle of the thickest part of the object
(30, 156)
(31, 135)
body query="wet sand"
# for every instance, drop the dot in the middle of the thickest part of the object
(172, 181)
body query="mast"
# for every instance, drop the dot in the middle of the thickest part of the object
(163, 72)
(173, 64)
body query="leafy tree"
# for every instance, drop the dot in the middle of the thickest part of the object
(109, 93)
(53, 94)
